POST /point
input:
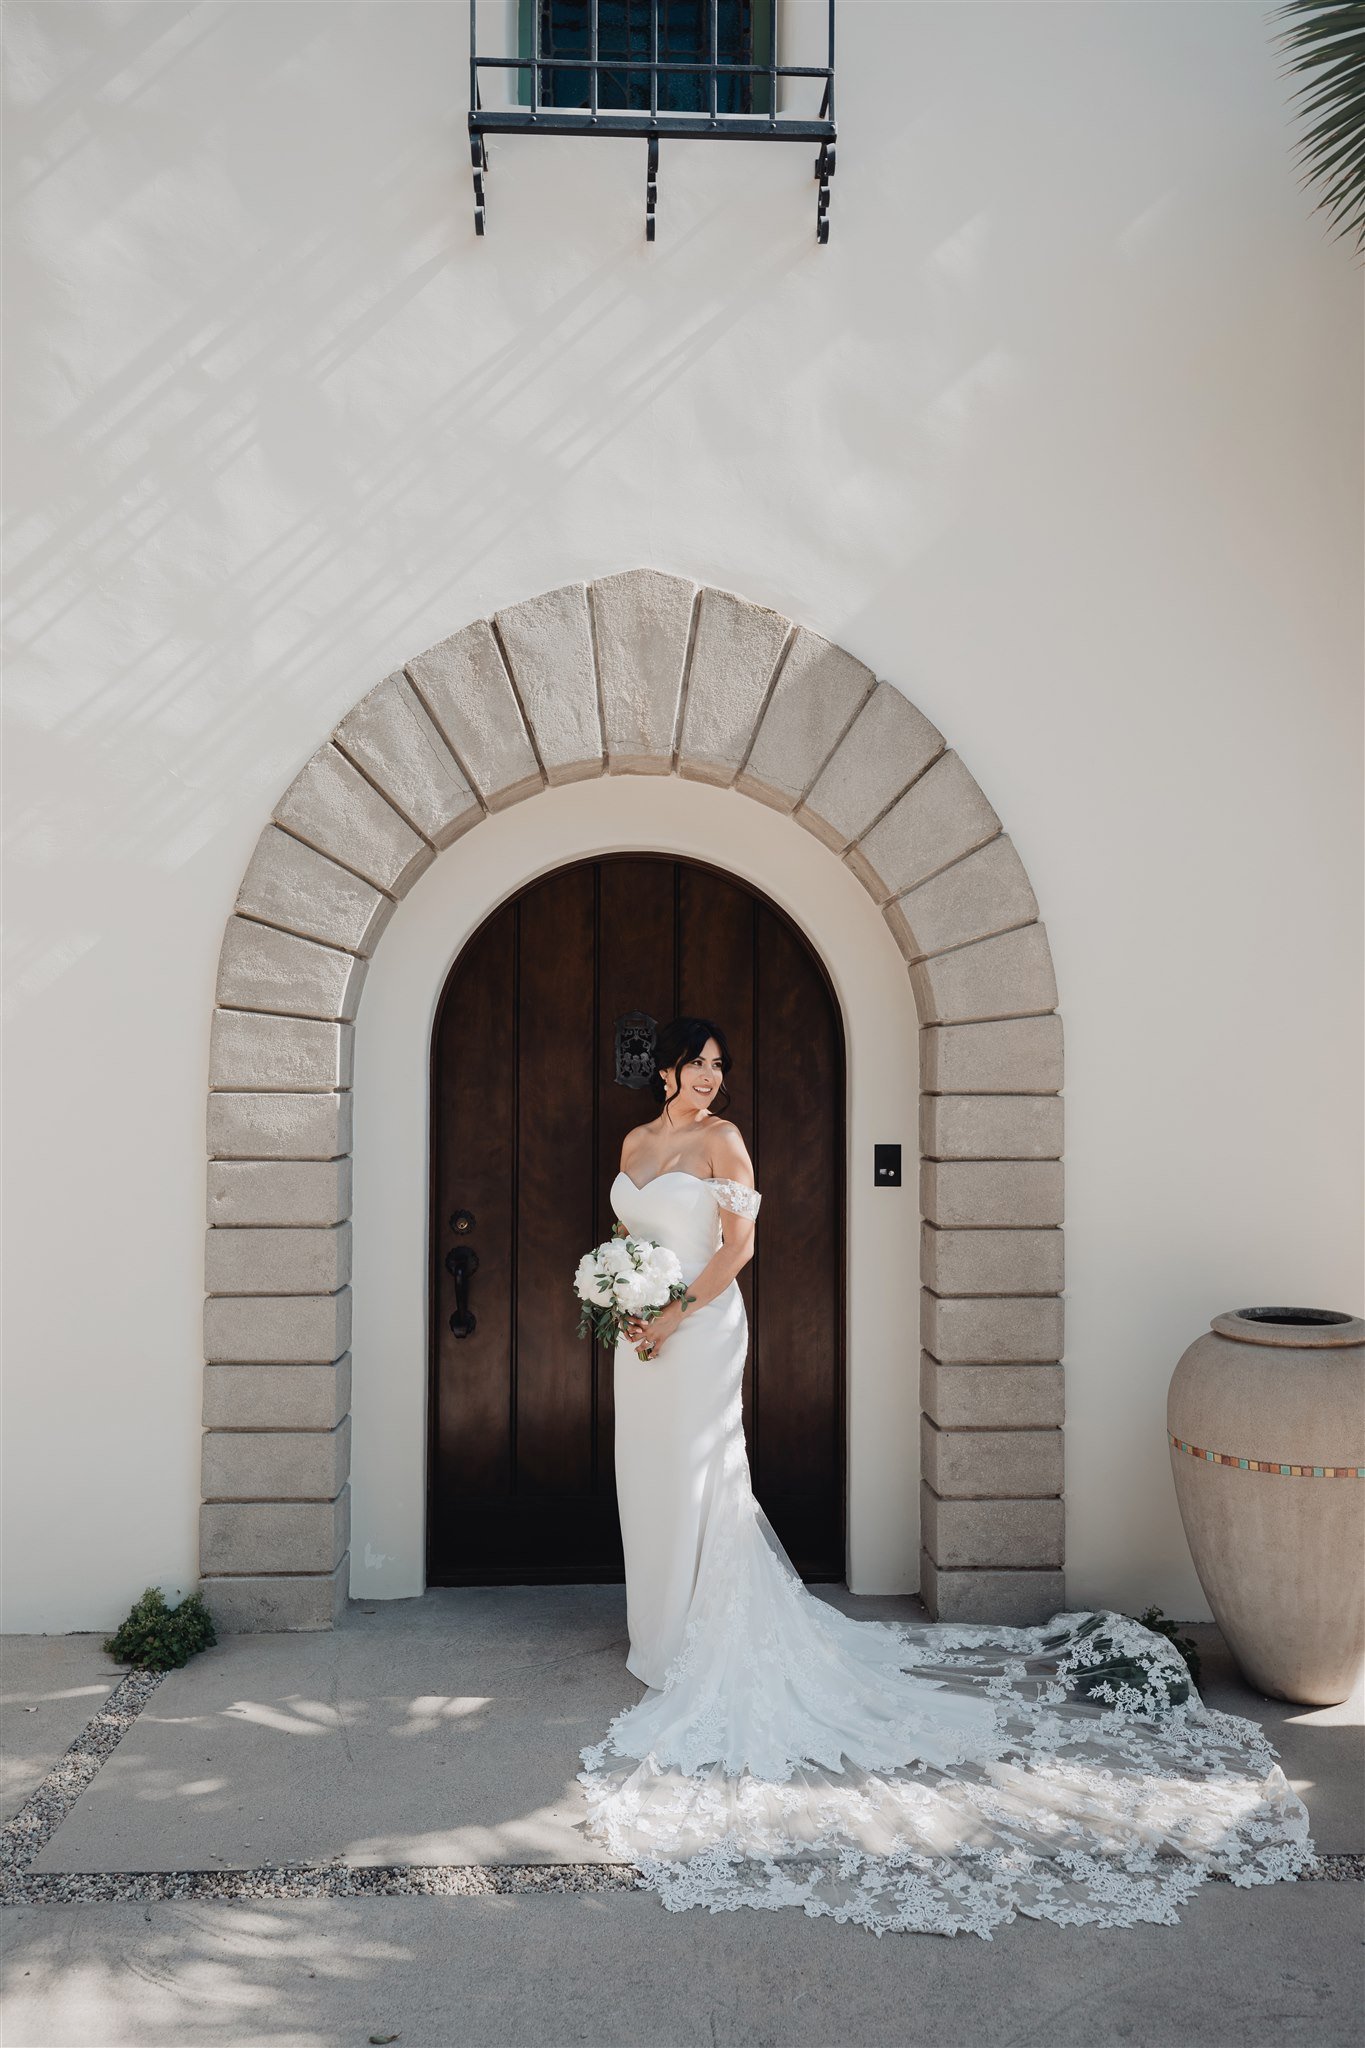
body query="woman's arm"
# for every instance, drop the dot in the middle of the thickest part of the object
(729, 1161)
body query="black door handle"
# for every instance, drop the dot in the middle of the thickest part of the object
(461, 1262)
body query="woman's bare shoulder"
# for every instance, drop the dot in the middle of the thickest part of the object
(729, 1154)
(635, 1139)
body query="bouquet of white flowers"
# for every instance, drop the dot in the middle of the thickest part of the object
(624, 1279)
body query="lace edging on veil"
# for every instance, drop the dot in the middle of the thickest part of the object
(1104, 1791)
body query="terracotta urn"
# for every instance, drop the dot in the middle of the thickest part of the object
(1266, 1426)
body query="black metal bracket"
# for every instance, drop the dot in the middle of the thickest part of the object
(824, 171)
(478, 150)
(536, 70)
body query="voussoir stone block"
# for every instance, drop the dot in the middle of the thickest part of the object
(888, 746)
(819, 690)
(962, 1194)
(293, 885)
(960, 1533)
(975, 898)
(964, 1329)
(277, 1261)
(243, 1124)
(991, 1261)
(548, 644)
(1008, 976)
(251, 1605)
(464, 684)
(1005, 1056)
(990, 1126)
(291, 1193)
(990, 1464)
(272, 1329)
(642, 621)
(277, 1396)
(988, 1397)
(274, 1535)
(393, 739)
(735, 650)
(253, 1050)
(331, 805)
(1023, 1599)
(261, 968)
(276, 1464)
(942, 816)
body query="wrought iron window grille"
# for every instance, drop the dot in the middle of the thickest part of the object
(624, 85)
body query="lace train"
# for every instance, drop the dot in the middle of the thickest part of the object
(927, 1777)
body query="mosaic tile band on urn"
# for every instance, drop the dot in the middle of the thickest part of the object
(1283, 1567)
(1266, 1464)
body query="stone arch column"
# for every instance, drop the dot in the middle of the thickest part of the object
(646, 674)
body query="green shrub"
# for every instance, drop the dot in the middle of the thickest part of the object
(1162, 1625)
(155, 1637)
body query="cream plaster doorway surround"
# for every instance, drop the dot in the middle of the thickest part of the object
(908, 886)
(392, 1121)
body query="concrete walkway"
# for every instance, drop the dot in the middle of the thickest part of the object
(445, 1732)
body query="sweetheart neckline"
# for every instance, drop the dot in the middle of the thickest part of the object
(675, 1172)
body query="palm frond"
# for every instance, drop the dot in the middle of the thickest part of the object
(1326, 41)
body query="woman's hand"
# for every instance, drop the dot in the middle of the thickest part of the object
(649, 1336)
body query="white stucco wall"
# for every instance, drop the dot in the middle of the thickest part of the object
(1061, 433)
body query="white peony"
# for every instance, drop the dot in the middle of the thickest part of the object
(637, 1291)
(662, 1267)
(591, 1283)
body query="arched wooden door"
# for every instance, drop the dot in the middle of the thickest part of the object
(528, 1113)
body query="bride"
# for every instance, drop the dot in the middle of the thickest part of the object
(898, 1775)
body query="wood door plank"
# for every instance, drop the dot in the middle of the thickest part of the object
(800, 1061)
(635, 952)
(716, 980)
(555, 1174)
(472, 1136)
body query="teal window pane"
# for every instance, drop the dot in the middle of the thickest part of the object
(744, 35)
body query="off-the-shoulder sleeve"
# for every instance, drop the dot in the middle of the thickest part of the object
(733, 1195)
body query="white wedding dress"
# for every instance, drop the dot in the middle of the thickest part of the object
(898, 1775)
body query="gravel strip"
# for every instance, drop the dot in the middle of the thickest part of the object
(318, 1881)
(47, 1806)
(389, 1881)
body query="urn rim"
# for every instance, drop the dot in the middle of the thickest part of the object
(1292, 1329)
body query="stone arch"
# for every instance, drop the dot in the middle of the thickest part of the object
(640, 673)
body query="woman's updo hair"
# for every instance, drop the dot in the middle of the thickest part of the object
(683, 1040)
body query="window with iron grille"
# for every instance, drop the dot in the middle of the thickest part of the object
(744, 35)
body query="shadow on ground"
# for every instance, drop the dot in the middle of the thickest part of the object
(447, 1730)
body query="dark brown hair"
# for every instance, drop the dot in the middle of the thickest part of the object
(681, 1041)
